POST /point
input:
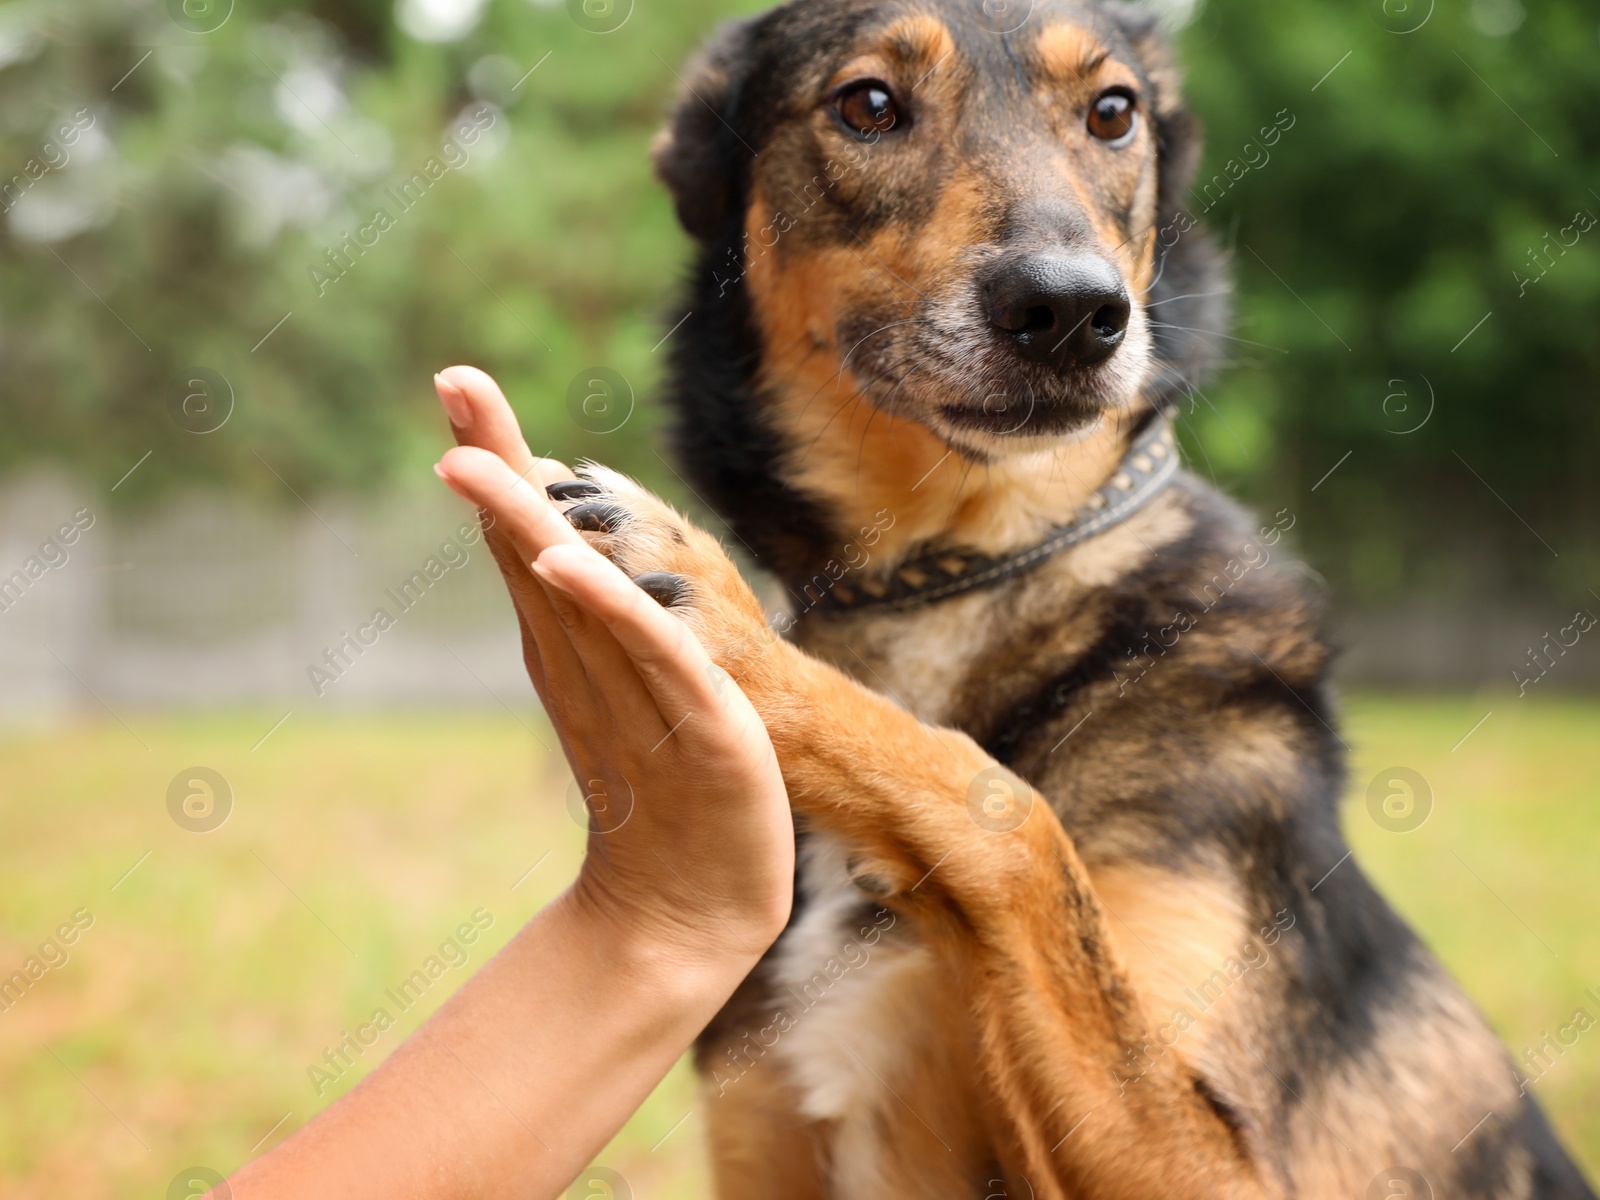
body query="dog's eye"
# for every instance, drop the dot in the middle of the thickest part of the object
(867, 107)
(1112, 117)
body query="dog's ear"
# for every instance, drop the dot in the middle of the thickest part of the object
(1178, 133)
(699, 155)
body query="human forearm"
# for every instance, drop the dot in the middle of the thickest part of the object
(522, 1077)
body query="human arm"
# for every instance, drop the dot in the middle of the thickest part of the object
(523, 1076)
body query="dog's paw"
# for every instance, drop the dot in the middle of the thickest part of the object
(678, 565)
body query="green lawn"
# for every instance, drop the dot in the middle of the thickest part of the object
(181, 1029)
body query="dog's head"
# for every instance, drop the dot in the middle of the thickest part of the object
(967, 203)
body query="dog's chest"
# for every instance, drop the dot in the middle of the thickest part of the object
(873, 1043)
(879, 1046)
(924, 660)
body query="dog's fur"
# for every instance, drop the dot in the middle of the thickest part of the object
(1159, 974)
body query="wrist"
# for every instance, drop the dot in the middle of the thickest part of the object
(667, 955)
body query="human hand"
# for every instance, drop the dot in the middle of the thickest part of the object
(691, 850)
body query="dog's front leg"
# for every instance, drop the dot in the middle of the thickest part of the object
(982, 862)
(979, 860)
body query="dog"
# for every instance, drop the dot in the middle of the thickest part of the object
(1074, 916)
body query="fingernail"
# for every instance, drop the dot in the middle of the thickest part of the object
(597, 517)
(547, 577)
(573, 489)
(448, 482)
(454, 401)
(664, 588)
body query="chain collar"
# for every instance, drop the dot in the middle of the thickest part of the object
(1146, 469)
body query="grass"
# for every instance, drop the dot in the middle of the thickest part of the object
(181, 1030)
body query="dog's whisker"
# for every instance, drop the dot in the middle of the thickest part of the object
(1201, 446)
(901, 382)
(837, 383)
(861, 450)
(848, 401)
(1190, 388)
(852, 398)
(957, 491)
(1213, 333)
(1224, 420)
(1187, 296)
(844, 362)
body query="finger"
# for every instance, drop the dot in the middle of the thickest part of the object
(527, 523)
(585, 669)
(629, 707)
(527, 593)
(532, 524)
(481, 416)
(521, 508)
(668, 657)
(530, 644)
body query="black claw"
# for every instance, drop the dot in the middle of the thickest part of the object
(573, 489)
(597, 517)
(664, 588)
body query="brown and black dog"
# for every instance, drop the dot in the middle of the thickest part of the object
(945, 292)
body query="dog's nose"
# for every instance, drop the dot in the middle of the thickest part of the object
(1065, 310)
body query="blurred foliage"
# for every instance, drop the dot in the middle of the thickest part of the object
(1389, 221)
(222, 166)
(188, 219)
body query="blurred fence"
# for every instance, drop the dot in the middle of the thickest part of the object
(211, 599)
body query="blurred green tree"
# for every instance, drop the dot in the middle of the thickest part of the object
(1440, 159)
